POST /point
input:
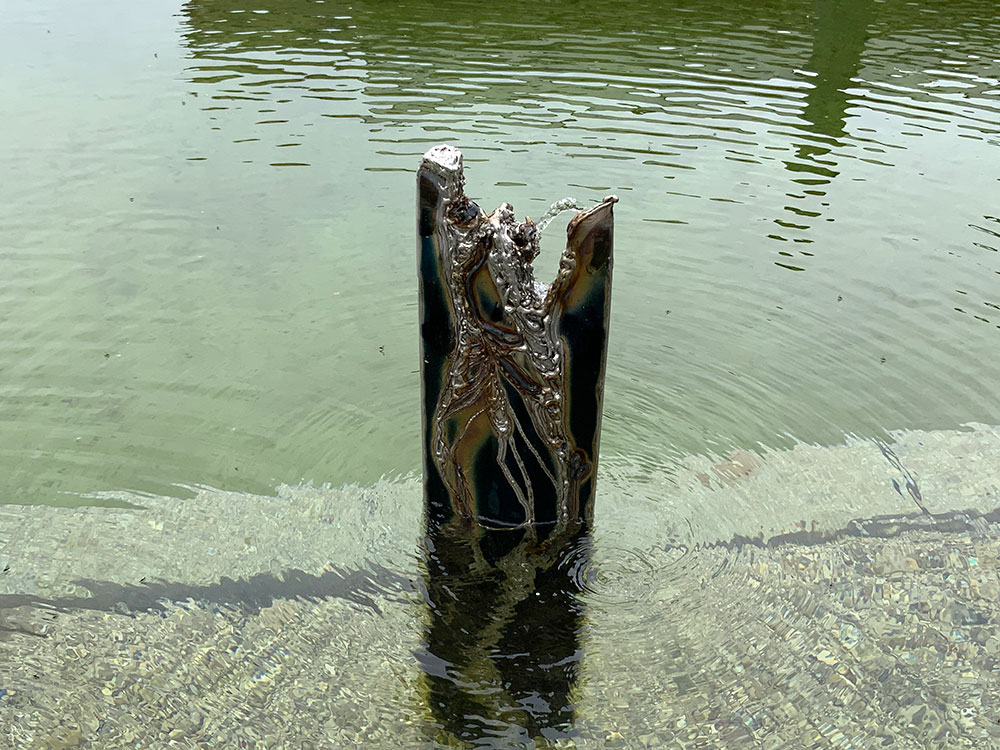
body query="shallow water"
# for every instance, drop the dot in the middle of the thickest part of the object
(324, 617)
(207, 293)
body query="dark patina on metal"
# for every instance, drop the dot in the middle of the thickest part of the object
(512, 369)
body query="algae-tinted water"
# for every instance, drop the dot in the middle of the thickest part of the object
(207, 293)
(207, 268)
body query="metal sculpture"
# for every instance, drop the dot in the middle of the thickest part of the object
(512, 369)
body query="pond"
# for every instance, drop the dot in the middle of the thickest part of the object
(210, 506)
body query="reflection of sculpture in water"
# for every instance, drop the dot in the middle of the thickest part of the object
(502, 650)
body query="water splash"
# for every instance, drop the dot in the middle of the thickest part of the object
(560, 206)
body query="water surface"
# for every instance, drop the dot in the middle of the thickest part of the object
(208, 272)
(208, 316)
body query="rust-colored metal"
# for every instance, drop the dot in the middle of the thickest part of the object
(512, 369)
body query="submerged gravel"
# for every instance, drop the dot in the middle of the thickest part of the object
(818, 597)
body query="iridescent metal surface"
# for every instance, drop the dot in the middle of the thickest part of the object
(513, 369)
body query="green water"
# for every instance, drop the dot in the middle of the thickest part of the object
(207, 263)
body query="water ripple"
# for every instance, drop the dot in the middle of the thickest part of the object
(807, 234)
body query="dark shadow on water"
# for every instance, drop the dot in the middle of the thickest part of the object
(502, 648)
(840, 35)
(464, 574)
(364, 587)
(840, 32)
